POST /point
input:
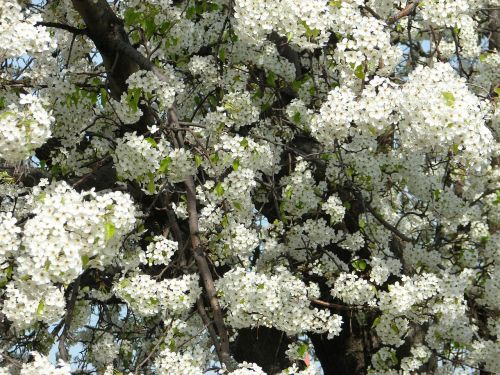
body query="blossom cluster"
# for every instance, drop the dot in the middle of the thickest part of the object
(27, 303)
(444, 114)
(26, 125)
(9, 239)
(280, 301)
(148, 297)
(146, 161)
(353, 290)
(301, 193)
(41, 365)
(160, 251)
(18, 33)
(71, 231)
(152, 87)
(306, 23)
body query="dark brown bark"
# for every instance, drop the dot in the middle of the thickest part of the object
(495, 27)
(348, 353)
(263, 346)
(107, 32)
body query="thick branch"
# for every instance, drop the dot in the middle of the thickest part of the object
(107, 32)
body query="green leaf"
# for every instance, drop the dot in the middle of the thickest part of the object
(41, 197)
(225, 222)
(395, 328)
(376, 322)
(124, 283)
(271, 79)
(264, 107)
(9, 271)
(104, 97)
(359, 264)
(149, 26)
(151, 141)
(109, 230)
(260, 286)
(496, 202)
(85, 260)
(151, 183)
(198, 159)
(244, 143)
(359, 72)
(131, 17)
(165, 164)
(497, 91)
(449, 98)
(133, 97)
(41, 306)
(191, 13)
(362, 223)
(437, 194)
(172, 345)
(222, 54)
(296, 85)
(236, 164)
(307, 28)
(214, 158)
(302, 349)
(219, 189)
(335, 4)
(296, 117)
(93, 97)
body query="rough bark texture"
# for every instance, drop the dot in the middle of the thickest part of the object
(495, 27)
(348, 353)
(264, 346)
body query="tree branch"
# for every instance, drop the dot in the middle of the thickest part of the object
(62, 26)
(63, 351)
(204, 270)
(404, 12)
(391, 227)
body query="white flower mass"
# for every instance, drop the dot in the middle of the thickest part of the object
(249, 187)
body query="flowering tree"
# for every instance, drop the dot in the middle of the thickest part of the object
(237, 186)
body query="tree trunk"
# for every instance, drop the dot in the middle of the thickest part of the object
(264, 346)
(348, 353)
